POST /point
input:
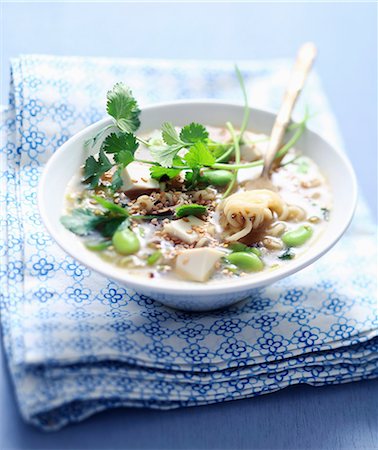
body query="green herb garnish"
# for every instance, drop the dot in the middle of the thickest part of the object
(117, 180)
(190, 210)
(123, 107)
(199, 156)
(98, 246)
(193, 133)
(326, 213)
(122, 146)
(95, 168)
(81, 221)
(239, 247)
(159, 172)
(110, 206)
(287, 254)
(154, 258)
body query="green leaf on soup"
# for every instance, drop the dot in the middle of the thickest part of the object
(190, 210)
(194, 132)
(287, 254)
(115, 143)
(199, 156)
(154, 258)
(110, 224)
(117, 181)
(110, 206)
(81, 221)
(159, 172)
(95, 168)
(123, 107)
(164, 155)
(169, 134)
(98, 245)
(124, 158)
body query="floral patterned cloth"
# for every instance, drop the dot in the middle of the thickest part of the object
(78, 343)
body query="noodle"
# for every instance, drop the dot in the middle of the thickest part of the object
(243, 212)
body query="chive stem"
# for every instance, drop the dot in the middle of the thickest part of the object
(237, 158)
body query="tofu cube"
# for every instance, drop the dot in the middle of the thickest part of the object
(183, 229)
(197, 264)
(137, 180)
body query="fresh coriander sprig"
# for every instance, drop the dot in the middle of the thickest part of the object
(200, 152)
(123, 107)
(189, 135)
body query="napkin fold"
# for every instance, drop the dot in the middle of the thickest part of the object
(77, 343)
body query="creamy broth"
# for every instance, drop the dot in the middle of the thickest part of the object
(165, 248)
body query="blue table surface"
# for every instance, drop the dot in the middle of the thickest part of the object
(332, 417)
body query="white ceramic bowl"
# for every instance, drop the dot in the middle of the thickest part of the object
(182, 294)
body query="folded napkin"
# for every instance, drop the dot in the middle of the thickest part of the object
(77, 343)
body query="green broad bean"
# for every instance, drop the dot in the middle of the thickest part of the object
(217, 177)
(297, 237)
(249, 262)
(125, 241)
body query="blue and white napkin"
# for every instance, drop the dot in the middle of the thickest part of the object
(78, 343)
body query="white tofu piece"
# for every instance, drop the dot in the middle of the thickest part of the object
(137, 180)
(197, 264)
(183, 229)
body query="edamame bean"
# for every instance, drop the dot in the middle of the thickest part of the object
(248, 262)
(298, 236)
(125, 241)
(217, 177)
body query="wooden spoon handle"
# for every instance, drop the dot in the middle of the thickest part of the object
(302, 66)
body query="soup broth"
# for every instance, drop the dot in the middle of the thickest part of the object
(206, 224)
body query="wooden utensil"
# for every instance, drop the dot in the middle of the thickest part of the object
(302, 66)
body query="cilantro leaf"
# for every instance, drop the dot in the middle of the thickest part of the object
(117, 180)
(90, 168)
(287, 254)
(159, 172)
(109, 225)
(123, 107)
(115, 143)
(165, 155)
(110, 206)
(122, 145)
(94, 169)
(199, 155)
(124, 158)
(194, 132)
(81, 221)
(169, 134)
(190, 210)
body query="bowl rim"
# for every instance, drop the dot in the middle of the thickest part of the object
(164, 286)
